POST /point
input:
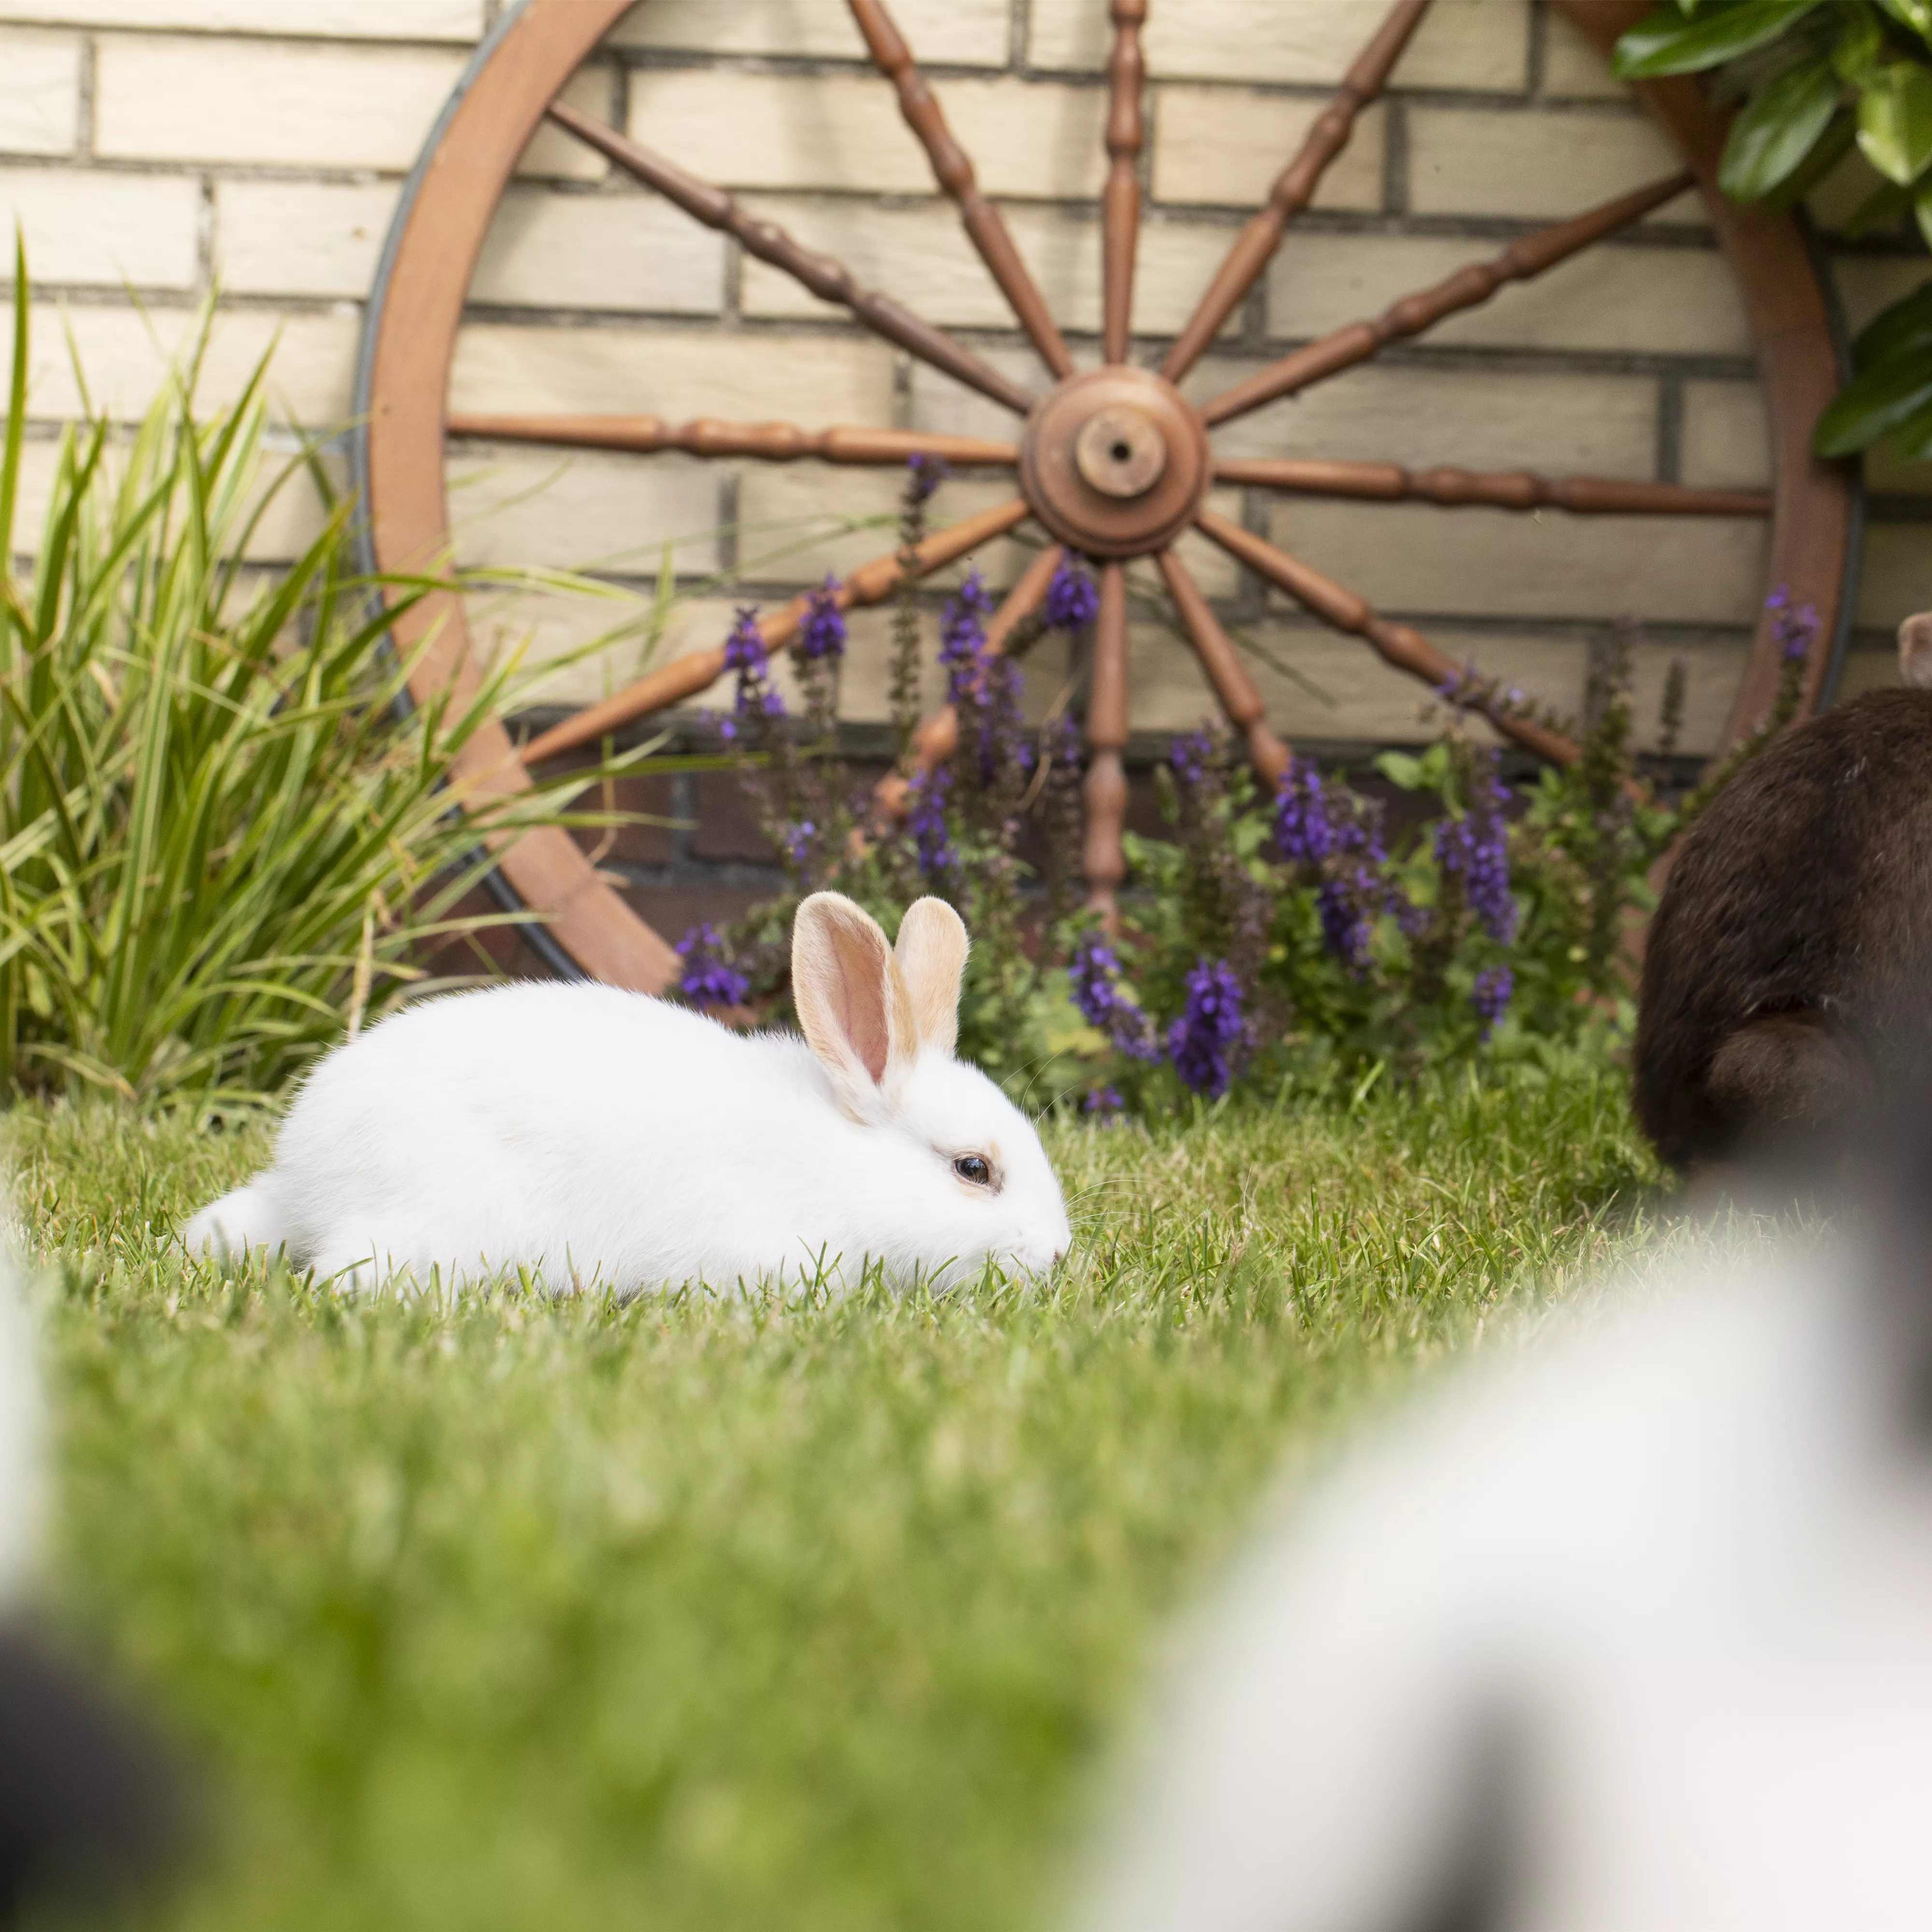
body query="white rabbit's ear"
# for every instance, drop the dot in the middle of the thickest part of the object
(932, 952)
(852, 1001)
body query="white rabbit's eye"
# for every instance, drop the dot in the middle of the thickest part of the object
(973, 1167)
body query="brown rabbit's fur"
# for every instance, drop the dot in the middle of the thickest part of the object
(1790, 965)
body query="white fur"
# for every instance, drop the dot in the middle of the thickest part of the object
(1685, 1562)
(595, 1136)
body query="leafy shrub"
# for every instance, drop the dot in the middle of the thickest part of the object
(1269, 937)
(1819, 78)
(224, 834)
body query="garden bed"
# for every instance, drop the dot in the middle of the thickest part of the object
(714, 1613)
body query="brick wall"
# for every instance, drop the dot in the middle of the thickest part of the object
(154, 149)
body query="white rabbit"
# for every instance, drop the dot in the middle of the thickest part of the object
(593, 1135)
(1635, 1633)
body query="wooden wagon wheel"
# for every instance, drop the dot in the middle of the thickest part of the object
(1111, 461)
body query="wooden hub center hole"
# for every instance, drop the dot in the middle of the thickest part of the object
(1120, 453)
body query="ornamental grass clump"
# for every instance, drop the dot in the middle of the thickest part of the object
(225, 837)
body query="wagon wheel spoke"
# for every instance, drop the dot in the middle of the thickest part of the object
(1398, 644)
(1504, 489)
(1121, 200)
(953, 170)
(827, 278)
(1295, 186)
(1468, 288)
(937, 737)
(1104, 793)
(772, 442)
(686, 676)
(1241, 703)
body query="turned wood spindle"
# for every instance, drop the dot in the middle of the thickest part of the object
(1235, 689)
(1121, 200)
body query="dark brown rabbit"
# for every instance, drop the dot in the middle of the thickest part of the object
(1788, 969)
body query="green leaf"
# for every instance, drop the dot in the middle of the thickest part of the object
(1921, 207)
(1881, 399)
(1860, 45)
(1664, 42)
(1399, 769)
(1900, 330)
(1895, 122)
(1912, 441)
(1915, 15)
(1773, 135)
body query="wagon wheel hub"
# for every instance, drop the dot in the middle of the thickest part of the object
(1114, 462)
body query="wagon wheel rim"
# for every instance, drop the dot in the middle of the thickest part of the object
(1112, 462)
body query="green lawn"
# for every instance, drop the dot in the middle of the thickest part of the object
(713, 1614)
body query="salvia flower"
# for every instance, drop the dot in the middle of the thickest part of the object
(1203, 1042)
(1491, 995)
(962, 638)
(1104, 1104)
(1348, 904)
(1476, 846)
(746, 652)
(925, 819)
(928, 473)
(708, 979)
(1072, 598)
(797, 841)
(1303, 834)
(1795, 627)
(822, 634)
(1094, 972)
(1190, 757)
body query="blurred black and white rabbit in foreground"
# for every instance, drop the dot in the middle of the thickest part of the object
(591, 1134)
(88, 1806)
(1631, 1632)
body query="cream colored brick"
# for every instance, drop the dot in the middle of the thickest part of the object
(1897, 578)
(575, 649)
(1727, 441)
(553, 155)
(294, 103)
(1475, 43)
(1572, 67)
(1477, 563)
(1560, 424)
(963, 33)
(837, 131)
(1224, 145)
(632, 252)
(921, 256)
(1335, 688)
(288, 237)
(939, 403)
(583, 510)
(124, 354)
(1711, 675)
(39, 98)
(89, 226)
(790, 514)
(338, 20)
(1656, 301)
(1463, 161)
(678, 373)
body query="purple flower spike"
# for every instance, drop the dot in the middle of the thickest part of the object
(822, 634)
(1202, 1043)
(1476, 846)
(1072, 598)
(926, 818)
(1104, 1104)
(1189, 757)
(707, 980)
(927, 473)
(1303, 834)
(1094, 972)
(1491, 995)
(1795, 631)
